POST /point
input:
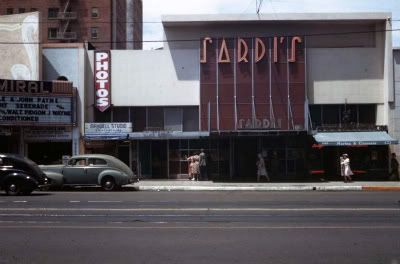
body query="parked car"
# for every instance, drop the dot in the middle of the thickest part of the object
(88, 170)
(20, 175)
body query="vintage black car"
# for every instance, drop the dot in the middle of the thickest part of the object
(19, 175)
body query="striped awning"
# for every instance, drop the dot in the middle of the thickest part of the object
(354, 138)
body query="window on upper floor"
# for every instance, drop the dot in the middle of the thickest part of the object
(343, 116)
(33, 9)
(53, 12)
(95, 12)
(9, 11)
(21, 10)
(52, 33)
(94, 31)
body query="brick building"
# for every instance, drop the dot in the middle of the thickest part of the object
(106, 24)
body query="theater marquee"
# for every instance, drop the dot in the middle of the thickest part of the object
(36, 103)
(252, 83)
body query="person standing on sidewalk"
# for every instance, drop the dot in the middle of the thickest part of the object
(394, 168)
(261, 170)
(347, 170)
(203, 165)
(342, 167)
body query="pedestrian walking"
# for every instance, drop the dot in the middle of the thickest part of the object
(261, 169)
(194, 170)
(342, 167)
(347, 169)
(394, 168)
(190, 168)
(203, 165)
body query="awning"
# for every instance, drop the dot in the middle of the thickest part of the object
(354, 138)
(122, 136)
(168, 135)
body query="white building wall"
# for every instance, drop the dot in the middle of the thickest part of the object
(344, 75)
(155, 77)
(395, 109)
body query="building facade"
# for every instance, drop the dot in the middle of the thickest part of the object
(105, 24)
(299, 89)
(41, 89)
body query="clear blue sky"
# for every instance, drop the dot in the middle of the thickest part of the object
(153, 9)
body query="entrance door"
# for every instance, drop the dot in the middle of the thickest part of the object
(246, 157)
(153, 159)
(123, 154)
(49, 152)
(159, 166)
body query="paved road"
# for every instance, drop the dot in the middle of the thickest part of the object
(200, 227)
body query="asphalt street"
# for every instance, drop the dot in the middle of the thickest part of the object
(200, 227)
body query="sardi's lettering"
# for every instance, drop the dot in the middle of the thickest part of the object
(259, 124)
(260, 47)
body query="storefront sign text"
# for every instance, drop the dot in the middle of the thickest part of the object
(48, 133)
(242, 49)
(259, 124)
(107, 128)
(102, 80)
(35, 109)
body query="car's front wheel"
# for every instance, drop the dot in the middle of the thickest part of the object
(13, 188)
(108, 184)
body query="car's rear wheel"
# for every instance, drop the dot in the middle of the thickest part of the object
(13, 188)
(108, 184)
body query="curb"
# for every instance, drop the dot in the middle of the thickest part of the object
(381, 188)
(249, 188)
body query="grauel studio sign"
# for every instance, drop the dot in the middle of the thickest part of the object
(102, 79)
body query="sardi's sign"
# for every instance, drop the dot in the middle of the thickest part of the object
(102, 79)
(243, 54)
(252, 83)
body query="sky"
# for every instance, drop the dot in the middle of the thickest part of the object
(153, 9)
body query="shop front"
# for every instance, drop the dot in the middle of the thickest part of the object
(37, 118)
(368, 152)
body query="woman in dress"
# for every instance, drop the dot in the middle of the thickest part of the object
(261, 170)
(347, 170)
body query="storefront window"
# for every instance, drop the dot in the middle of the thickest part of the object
(155, 118)
(367, 114)
(330, 115)
(138, 118)
(173, 119)
(102, 117)
(190, 119)
(120, 114)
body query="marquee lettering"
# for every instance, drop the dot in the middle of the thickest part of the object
(205, 41)
(223, 53)
(243, 49)
(260, 48)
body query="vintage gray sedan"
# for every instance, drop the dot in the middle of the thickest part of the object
(90, 169)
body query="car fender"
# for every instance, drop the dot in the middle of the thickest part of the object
(119, 177)
(28, 180)
(56, 179)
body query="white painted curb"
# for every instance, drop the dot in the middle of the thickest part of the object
(249, 188)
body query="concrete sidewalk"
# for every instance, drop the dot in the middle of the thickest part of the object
(179, 185)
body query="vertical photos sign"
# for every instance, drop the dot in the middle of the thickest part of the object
(102, 79)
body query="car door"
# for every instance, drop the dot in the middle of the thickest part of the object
(95, 167)
(75, 171)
